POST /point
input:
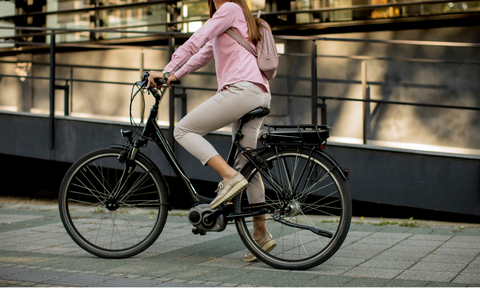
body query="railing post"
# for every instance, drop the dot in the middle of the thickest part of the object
(314, 83)
(66, 107)
(171, 44)
(70, 107)
(142, 61)
(52, 91)
(65, 89)
(366, 105)
(142, 68)
(184, 103)
(323, 109)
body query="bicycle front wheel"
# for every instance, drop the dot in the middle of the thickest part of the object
(309, 208)
(108, 226)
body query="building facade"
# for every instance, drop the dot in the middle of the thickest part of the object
(398, 75)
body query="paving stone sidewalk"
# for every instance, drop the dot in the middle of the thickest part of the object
(35, 250)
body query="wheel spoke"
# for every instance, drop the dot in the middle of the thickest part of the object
(306, 194)
(96, 178)
(128, 225)
(91, 191)
(135, 185)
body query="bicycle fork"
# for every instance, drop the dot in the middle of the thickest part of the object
(124, 185)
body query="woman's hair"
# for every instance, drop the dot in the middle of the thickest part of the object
(253, 27)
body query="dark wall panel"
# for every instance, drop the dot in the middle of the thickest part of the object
(448, 183)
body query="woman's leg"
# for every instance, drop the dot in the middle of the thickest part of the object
(222, 109)
(221, 167)
(256, 189)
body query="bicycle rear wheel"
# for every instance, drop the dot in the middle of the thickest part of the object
(115, 229)
(309, 197)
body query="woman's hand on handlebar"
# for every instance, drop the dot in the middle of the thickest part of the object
(151, 79)
(159, 75)
(171, 79)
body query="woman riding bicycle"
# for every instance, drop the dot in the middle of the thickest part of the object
(241, 88)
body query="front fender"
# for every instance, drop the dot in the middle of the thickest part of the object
(146, 158)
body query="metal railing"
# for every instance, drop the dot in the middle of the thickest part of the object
(365, 99)
(185, 20)
(268, 13)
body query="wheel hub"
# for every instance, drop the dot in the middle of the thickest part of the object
(293, 209)
(112, 205)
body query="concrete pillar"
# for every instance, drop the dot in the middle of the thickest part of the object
(25, 68)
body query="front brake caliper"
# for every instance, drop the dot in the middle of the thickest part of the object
(122, 158)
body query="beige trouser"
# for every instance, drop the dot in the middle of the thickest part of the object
(224, 108)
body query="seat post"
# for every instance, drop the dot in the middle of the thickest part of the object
(257, 112)
(236, 140)
(239, 134)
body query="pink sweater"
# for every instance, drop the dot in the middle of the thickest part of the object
(233, 62)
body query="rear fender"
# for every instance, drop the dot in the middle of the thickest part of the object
(343, 172)
(334, 164)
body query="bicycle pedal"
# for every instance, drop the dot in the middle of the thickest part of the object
(225, 205)
(198, 231)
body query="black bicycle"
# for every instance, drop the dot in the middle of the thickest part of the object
(114, 201)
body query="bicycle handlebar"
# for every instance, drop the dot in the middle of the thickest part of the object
(163, 81)
(159, 81)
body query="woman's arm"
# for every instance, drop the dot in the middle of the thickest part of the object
(223, 19)
(199, 60)
(202, 58)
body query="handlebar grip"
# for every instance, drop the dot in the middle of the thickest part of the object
(162, 81)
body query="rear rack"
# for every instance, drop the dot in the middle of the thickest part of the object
(295, 135)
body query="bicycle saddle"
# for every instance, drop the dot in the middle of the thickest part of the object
(255, 113)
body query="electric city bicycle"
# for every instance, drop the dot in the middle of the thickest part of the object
(114, 201)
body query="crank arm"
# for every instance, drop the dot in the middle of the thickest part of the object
(212, 216)
(320, 232)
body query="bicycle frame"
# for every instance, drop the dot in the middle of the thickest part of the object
(153, 133)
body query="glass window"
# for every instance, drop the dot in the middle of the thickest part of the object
(139, 17)
(6, 9)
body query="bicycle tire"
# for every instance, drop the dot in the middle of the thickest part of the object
(126, 230)
(319, 198)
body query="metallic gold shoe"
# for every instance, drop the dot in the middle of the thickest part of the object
(228, 189)
(266, 242)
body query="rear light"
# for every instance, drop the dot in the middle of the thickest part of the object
(346, 172)
(322, 146)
